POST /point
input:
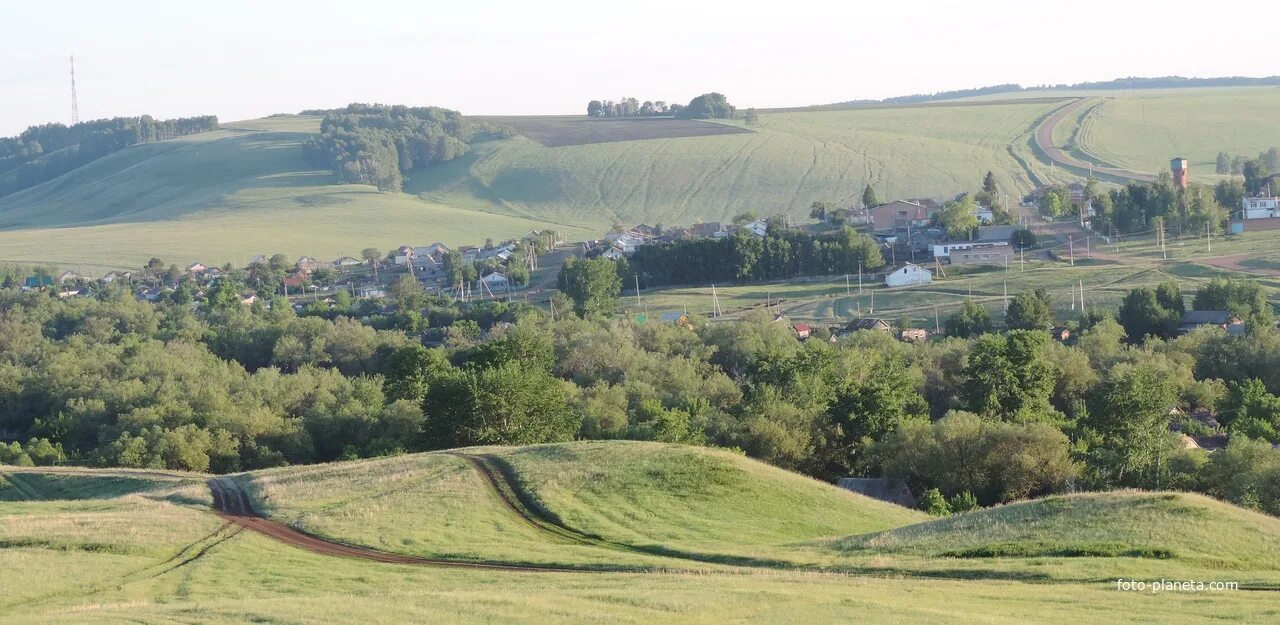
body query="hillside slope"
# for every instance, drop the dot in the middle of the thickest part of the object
(1136, 524)
(246, 189)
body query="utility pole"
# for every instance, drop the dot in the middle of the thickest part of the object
(1081, 282)
(1071, 249)
(937, 326)
(859, 278)
(846, 285)
(1208, 238)
(637, 277)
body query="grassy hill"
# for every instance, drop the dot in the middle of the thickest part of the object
(1126, 524)
(112, 546)
(246, 189)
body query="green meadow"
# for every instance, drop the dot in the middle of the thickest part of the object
(126, 547)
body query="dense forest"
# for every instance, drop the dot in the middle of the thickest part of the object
(377, 144)
(981, 415)
(780, 254)
(45, 152)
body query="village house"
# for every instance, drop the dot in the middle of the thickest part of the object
(996, 253)
(347, 261)
(307, 264)
(402, 256)
(436, 251)
(494, 283)
(195, 269)
(758, 228)
(866, 323)
(67, 276)
(713, 230)
(1262, 207)
(910, 275)
(116, 276)
(913, 335)
(802, 330)
(1060, 333)
(259, 259)
(1193, 319)
(899, 216)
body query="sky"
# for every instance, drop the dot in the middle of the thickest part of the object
(239, 59)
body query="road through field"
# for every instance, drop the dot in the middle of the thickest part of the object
(233, 505)
(1044, 140)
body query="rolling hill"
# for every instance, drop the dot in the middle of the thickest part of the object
(574, 533)
(245, 189)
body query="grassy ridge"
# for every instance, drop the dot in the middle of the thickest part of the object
(1126, 524)
(122, 557)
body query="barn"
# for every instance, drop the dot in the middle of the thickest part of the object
(909, 275)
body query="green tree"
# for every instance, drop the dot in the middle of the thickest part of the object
(969, 321)
(513, 405)
(1009, 377)
(1143, 314)
(869, 199)
(1030, 310)
(1022, 239)
(592, 284)
(1223, 165)
(372, 256)
(707, 106)
(1130, 412)
(933, 503)
(959, 218)
(989, 183)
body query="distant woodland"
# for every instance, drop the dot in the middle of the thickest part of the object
(45, 152)
(377, 144)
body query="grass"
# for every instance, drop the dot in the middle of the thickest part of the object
(225, 196)
(560, 131)
(117, 556)
(1128, 524)
(690, 499)
(1145, 131)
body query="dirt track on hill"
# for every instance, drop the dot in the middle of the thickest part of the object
(232, 504)
(1044, 140)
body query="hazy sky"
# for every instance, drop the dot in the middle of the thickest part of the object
(240, 59)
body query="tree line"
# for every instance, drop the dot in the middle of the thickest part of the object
(376, 144)
(985, 417)
(47, 151)
(631, 107)
(780, 254)
(706, 106)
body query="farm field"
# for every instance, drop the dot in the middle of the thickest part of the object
(153, 552)
(1143, 131)
(555, 132)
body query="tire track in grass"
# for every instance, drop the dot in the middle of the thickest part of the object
(232, 504)
(501, 478)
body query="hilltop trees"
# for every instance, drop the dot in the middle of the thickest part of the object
(45, 152)
(707, 106)
(378, 144)
(630, 107)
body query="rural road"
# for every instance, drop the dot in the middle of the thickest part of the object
(232, 504)
(1044, 140)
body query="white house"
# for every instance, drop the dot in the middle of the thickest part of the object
(909, 275)
(984, 214)
(495, 282)
(347, 261)
(1260, 207)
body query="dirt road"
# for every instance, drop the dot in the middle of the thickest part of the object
(1044, 140)
(233, 505)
